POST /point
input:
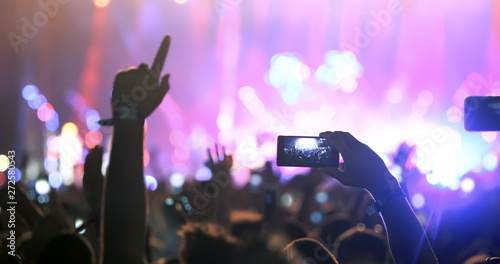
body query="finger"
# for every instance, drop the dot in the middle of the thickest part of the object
(210, 159)
(326, 134)
(160, 57)
(142, 67)
(217, 152)
(339, 144)
(349, 139)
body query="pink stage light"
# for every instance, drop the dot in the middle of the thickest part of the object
(45, 112)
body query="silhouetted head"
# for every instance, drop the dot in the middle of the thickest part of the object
(8, 257)
(210, 243)
(307, 250)
(294, 229)
(360, 247)
(332, 228)
(206, 243)
(67, 248)
(246, 225)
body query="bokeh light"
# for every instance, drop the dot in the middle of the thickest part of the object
(151, 182)
(45, 112)
(203, 173)
(50, 164)
(92, 139)
(55, 179)
(489, 136)
(69, 128)
(29, 92)
(53, 124)
(169, 201)
(4, 162)
(42, 187)
(490, 161)
(180, 2)
(3, 179)
(432, 178)
(361, 227)
(224, 121)
(316, 217)
(418, 201)
(467, 185)
(37, 101)
(246, 94)
(101, 3)
(91, 117)
(321, 197)
(286, 200)
(17, 174)
(255, 180)
(340, 70)
(176, 180)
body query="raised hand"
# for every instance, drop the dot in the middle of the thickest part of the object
(363, 167)
(138, 91)
(136, 94)
(220, 165)
(93, 179)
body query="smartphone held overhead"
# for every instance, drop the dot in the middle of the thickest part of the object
(300, 151)
(482, 113)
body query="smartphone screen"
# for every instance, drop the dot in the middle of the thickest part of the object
(296, 151)
(482, 113)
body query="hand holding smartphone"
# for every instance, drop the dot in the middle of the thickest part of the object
(296, 151)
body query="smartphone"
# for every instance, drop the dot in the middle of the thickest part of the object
(482, 113)
(294, 151)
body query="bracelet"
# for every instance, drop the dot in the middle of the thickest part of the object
(381, 201)
(133, 114)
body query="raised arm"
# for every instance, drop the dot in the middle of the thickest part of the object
(364, 168)
(136, 94)
(93, 181)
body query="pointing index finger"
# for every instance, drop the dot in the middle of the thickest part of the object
(160, 57)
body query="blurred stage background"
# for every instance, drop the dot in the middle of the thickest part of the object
(243, 72)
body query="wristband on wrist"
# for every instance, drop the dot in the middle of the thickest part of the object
(381, 201)
(133, 114)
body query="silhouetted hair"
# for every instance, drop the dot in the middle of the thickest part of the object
(294, 229)
(355, 245)
(332, 228)
(67, 248)
(307, 250)
(246, 225)
(206, 243)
